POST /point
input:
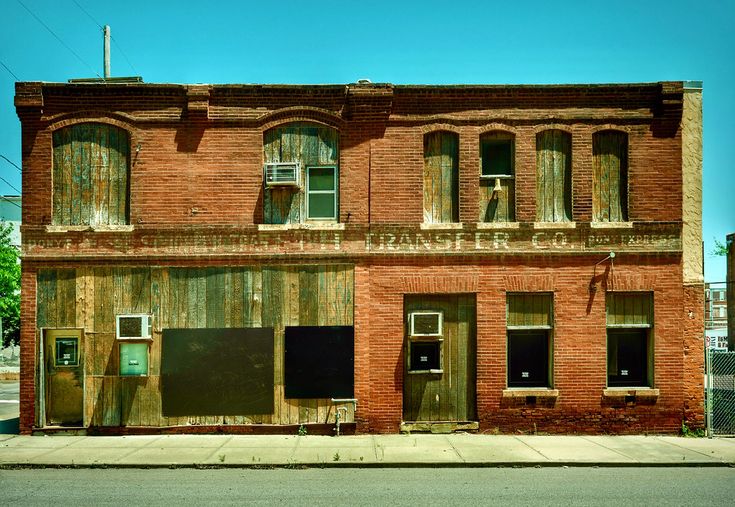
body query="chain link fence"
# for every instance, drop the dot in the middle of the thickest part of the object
(720, 393)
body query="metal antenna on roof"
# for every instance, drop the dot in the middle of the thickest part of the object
(106, 51)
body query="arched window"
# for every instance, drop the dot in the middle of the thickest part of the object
(497, 171)
(610, 176)
(553, 176)
(314, 196)
(441, 177)
(91, 183)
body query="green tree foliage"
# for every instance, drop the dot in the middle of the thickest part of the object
(720, 249)
(9, 287)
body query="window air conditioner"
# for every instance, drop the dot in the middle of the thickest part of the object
(134, 327)
(281, 173)
(425, 323)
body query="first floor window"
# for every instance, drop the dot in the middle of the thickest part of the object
(629, 339)
(321, 193)
(528, 358)
(627, 357)
(530, 323)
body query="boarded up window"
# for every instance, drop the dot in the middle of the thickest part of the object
(610, 176)
(553, 176)
(308, 144)
(497, 156)
(90, 175)
(530, 319)
(629, 309)
(530, 310)
(441, 177)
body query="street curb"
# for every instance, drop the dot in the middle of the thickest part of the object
(303, 466)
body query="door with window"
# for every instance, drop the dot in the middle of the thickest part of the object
(63, 377)
(439, 358)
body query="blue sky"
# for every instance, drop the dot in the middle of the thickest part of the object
(424, 42)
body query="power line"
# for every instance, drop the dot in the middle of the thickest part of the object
(58, 38)
(12, 163)
(8, 69)
(94, 20)
(10, 185)
(11, 202)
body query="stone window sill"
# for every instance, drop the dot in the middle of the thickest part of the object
(313, 226)
(497, 225)
(611, 225)
(638, 392)
(453, 226)
(522, 392)
(555, 225)
(88, 228)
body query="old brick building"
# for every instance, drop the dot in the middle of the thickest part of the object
(251, 258)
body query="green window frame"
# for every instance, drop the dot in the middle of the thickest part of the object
(321, 194)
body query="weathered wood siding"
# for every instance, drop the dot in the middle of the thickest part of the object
(90, 175)
(610, 176)
(449, 396)
(553, 176)
(307, 143)
(634, 309)
(213, 297)
(441, 177)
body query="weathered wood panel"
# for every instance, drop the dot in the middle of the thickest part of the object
(306, 143)
(634, 309)
(528, 310)
(553, 176)
(213, 297)
(90, 175)
(497, 206)
(449, 396)
(441, 177)
(610, 176)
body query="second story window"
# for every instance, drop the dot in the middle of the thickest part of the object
(91, 175)
(553, 176)
(497, 170)
(301, 174)
(610, 176)
(441, 177)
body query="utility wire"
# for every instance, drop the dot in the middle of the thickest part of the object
(11, 202)
(10, 185)
(57, 37)
(94, 20)
(8, 69)
(11, 163)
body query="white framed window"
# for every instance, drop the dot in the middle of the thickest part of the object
(426, 323)
(134, 326)
(321, 192)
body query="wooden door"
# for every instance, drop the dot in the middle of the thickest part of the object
(63, 377)
(446, 393)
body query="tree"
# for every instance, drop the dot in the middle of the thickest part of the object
(720, 249)
(9, 287)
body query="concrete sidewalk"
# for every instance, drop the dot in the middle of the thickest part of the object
(458, 450)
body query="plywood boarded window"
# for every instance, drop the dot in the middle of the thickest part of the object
(497, 163)
(91, 175)
(441, 177)
(530, 321)
(553, 176)
(629, 339)
(310, 145)
(610, 176)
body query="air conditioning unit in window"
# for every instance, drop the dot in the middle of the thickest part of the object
(134, 327)
(281, 173)
(425, 323)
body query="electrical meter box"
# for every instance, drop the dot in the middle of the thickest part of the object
(133, 359)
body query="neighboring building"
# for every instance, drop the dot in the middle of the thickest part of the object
(715, 315)
(248, 257)
(10, 206)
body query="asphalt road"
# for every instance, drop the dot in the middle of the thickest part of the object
(384, 487)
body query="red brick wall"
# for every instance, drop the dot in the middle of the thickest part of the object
(579, 340)
(28, 349)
